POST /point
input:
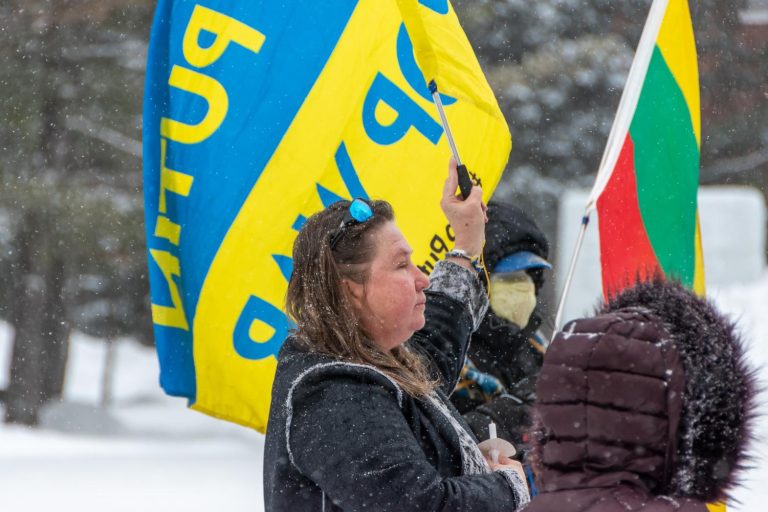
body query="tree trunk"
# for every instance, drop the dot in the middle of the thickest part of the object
(25, 390)
(41, 341)
(107, 375)
(41, 338)
(55, 331)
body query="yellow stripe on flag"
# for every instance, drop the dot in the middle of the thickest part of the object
(699, 283)
(678, 46)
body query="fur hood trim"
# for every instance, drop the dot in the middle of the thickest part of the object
(720, 392)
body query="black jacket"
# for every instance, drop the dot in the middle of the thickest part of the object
(343, 436)
(499, 347)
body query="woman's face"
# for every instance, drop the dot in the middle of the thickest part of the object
(391, 303)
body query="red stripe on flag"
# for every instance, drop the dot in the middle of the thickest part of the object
(626, 253)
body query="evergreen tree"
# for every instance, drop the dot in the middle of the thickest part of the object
(70, 183)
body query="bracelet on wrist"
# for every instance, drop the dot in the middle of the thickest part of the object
(475, 261)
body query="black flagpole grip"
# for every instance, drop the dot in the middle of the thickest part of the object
(465, 182)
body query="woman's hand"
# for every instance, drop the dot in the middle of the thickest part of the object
(505, 463)
(467, 217)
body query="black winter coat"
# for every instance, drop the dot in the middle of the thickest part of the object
(499, 347)
(343, 436)
(503, 350)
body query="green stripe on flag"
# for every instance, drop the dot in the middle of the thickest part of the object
(667, 170)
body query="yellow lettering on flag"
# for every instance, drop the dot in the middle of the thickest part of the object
(169, 316)
(167, 229)
(170, 180)
(207, 88)
(225, 28)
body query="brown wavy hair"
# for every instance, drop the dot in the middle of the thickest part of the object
(317, 302)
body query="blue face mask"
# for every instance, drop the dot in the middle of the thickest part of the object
(358, 212)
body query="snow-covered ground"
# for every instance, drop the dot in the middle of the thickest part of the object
(148, 452)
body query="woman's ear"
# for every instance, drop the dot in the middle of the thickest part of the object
(355, 292)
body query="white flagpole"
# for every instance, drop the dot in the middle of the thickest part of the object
(571, 270)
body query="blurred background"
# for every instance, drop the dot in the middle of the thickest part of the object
(80, 406)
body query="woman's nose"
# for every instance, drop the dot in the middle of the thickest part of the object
(422, 280)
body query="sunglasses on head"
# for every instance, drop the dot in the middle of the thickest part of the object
(358, 212)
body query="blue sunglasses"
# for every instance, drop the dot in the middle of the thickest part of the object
(358, 212)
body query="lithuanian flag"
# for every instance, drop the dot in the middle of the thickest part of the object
(646, 188)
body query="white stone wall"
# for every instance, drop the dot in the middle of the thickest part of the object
(733, 230)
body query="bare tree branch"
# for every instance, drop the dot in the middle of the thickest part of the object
(105, 134)
(737, 165)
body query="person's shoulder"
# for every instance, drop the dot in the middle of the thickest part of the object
(311, 371)
(293, 360)
(292, 349)
(348, 378)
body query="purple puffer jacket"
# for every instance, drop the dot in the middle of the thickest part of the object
(645, 407)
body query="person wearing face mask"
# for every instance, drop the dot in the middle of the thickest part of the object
(505, 353)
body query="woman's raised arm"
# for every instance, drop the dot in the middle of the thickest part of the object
(456, 300)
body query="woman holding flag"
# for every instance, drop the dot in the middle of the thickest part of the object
(360, 416)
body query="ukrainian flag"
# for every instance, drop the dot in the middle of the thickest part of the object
(258, 114)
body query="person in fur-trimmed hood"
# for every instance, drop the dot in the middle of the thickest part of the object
(646, 406)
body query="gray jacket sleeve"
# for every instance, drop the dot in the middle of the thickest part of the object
(462, 285)
(456, 304)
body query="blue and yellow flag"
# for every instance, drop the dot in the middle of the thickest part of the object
(258, 114)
